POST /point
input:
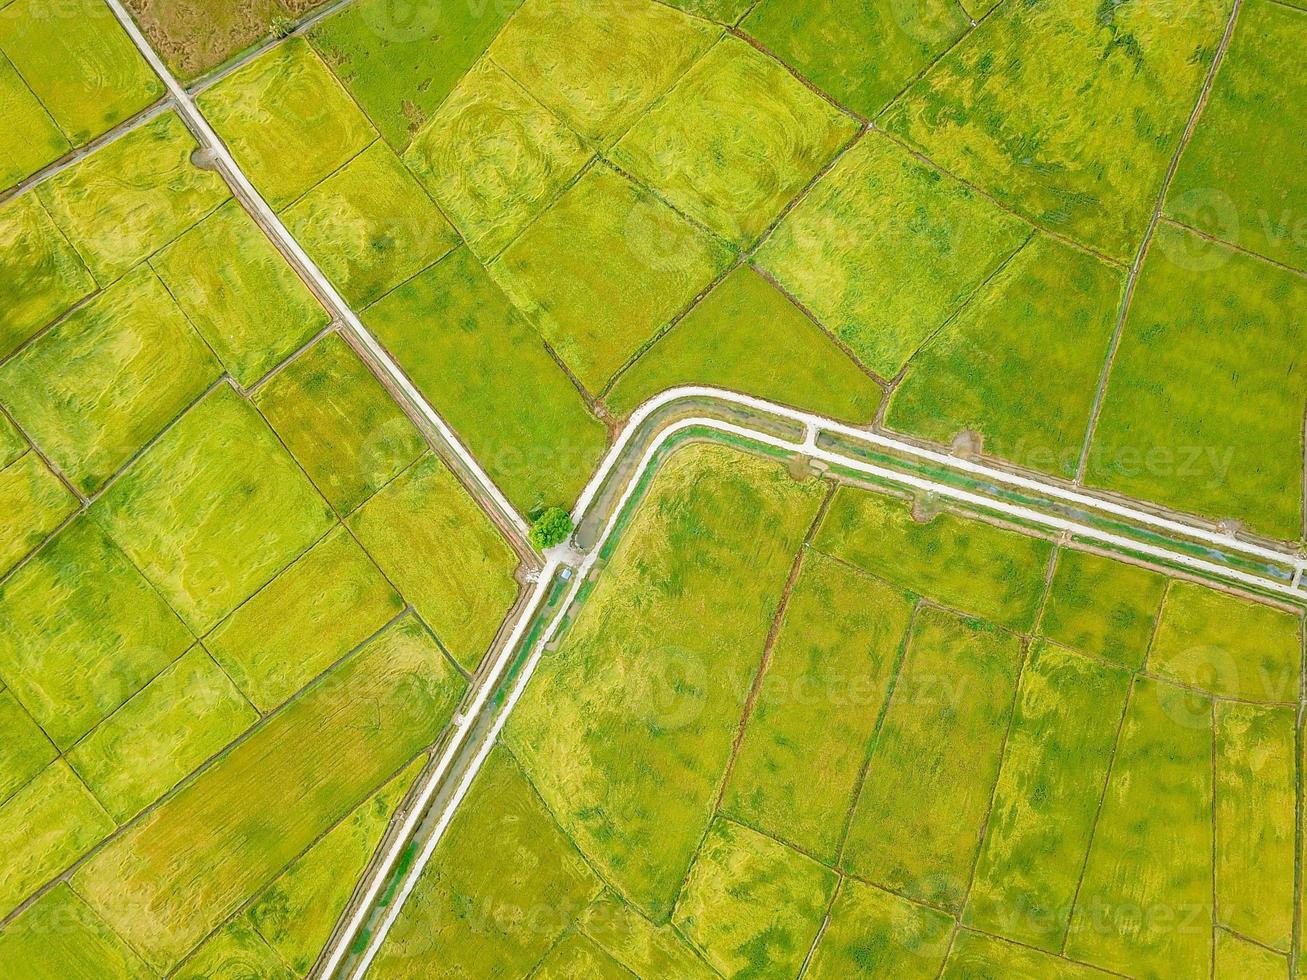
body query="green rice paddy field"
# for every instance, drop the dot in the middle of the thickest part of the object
(793, 728)
(801, 729)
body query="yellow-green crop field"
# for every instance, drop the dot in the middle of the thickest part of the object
(806, 729)
(241, 596)
(311, 309)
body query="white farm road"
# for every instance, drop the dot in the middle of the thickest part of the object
(445, 773)
(481, 721)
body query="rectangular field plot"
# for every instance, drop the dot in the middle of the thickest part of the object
(996, 110)
(885, 248)
(286, 120)
(296, 913)
(60, 936)
(191, 862)
(96, 387)
(30, 139)
(443, 552)
(84, 631)
(115, 223)
(214, 510)
(34, 502)
(400, 63)
(980, 569)
(236, 948)
(312, 614)
(922, 807)
(664, 653)
(875, 933)
(44, 827)
(640, 946)
(1193, 421)
(752, 904)
(746, 335)
(79, 62)
(603, 269)
(825, 687)
(342, 426)
(505, 883)
(370, 226)
(41, 274)
(186, 714)
(484, 368)
(239, 293)
(493, 188)
(804, 729)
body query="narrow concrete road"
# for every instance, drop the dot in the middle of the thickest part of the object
(479, 726)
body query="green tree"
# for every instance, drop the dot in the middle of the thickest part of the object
(552, 527)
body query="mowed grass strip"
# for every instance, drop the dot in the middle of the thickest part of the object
(1067, 113)
(239, 293)
(752, 904)
(797, 768)
(114, 222)
(658, 665)
(1054, 768)
(297, 912)
(643, 948)
(991, 572)
(325, 604)
(214, 509)
(1229, 645)
(1145, 904)
(34, 502)
(45, 827)
(80, 63)
(188, 713)
(287, 120)
(1255, 811)
(41, 274)
(475, 358)
(918, 820)
(1019, 364)
(105, 380)
(1103, 607)
(180, 871)
(747, 336)
(60, 936)
(1193, 421)
(340, 423)
(84, 631)
(445, 555)
(885, 247)
(873, 933)
(503, 884)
